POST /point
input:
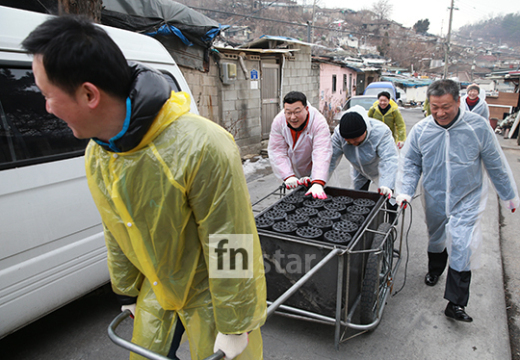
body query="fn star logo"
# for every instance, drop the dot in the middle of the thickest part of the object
(230, 256)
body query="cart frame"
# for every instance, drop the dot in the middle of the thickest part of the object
(277, 306)
(344, 255)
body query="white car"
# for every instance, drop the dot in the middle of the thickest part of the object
(402, 99)
(52, 248)
(365, 101)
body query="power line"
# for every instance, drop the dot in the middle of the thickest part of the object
(263, 7)
(316, 27)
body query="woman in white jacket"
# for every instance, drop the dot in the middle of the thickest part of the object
(299, 145)
(475, 101)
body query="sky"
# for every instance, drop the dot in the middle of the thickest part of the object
(408, 12)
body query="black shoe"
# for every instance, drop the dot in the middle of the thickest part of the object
(457, 312)
(431, 280)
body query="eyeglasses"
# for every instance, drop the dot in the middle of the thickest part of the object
(291, 113)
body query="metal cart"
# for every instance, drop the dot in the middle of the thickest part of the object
(345, 285)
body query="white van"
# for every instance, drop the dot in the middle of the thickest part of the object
(52, 249)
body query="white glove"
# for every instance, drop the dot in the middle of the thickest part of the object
(231, 345)
(400, 144)
(291, 182)
(317, 192)
(383, 190)
(402, 200)
(130, 307)
(510, 205)
(305, 181)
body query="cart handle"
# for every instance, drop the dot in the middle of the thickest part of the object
(279, 188)
(125, 344)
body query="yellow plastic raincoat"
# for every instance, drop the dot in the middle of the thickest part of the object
(392, 118)
(159, 203)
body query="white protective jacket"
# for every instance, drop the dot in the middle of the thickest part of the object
(375, 159)
(454, 183)
(481, 108)
(310, 156)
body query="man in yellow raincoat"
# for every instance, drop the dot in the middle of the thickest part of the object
(386, 110)
(170, 189)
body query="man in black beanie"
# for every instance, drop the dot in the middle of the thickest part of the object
(369, 146)
(353, 127)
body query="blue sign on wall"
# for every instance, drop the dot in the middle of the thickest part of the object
(254, 75)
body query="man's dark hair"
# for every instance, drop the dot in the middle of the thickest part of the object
(443, 87)
(294, 96)
(75, 51)
(386, 94)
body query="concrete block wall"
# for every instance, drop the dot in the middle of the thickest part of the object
(299, 75)
(236, 107)
(241, 112)
(205, 88)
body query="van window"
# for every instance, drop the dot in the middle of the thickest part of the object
(28, 134)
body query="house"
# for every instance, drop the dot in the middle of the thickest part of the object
(337, 82)
(240, 88)
(237, 34)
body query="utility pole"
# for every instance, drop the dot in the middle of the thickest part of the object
(447, 48)
(313, 20)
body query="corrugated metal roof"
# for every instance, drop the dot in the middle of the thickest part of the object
(266, 38)
(407, 82)
(261, 51)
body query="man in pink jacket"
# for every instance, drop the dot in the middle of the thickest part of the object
(300, 145)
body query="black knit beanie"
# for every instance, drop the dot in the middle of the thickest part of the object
(352, 125)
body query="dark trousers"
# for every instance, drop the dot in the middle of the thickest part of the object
(176, 342)
(457, 282)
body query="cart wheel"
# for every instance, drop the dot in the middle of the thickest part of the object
(377, 279)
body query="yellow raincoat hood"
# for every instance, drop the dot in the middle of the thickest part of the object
(159, 203)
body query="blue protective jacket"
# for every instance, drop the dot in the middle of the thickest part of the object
(374, 159)
(452, 163)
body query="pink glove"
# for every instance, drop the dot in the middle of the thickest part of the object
(306, 181)
(511, 206)
(317, 192)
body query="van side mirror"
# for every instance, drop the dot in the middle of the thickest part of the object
(397, 96)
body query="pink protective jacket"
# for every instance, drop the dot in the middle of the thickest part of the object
(311, 154)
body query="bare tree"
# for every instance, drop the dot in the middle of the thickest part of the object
(382, 9)
(89, 8)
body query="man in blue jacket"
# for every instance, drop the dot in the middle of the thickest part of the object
(453, 149)
(369, 146)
